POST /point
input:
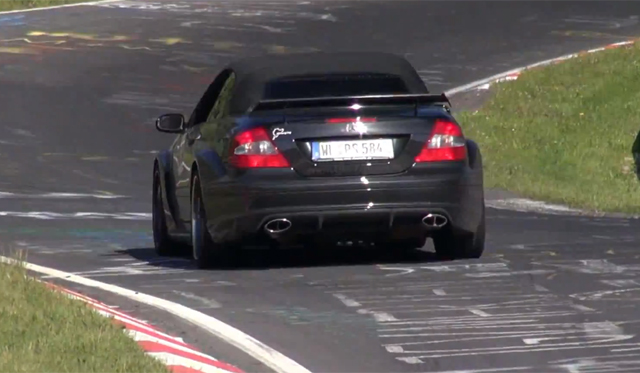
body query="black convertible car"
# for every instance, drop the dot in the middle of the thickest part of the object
(317, 148)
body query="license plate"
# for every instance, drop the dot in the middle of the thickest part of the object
(352, 150)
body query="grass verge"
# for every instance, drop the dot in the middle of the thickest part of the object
(46, 331)
(29, 4)
(564, 133)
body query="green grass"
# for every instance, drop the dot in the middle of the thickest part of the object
(28, 4)
(563, 133)
(45, 331)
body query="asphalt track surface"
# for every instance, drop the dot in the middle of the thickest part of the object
(80, 87)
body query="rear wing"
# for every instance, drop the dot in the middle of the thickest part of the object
(345, 101)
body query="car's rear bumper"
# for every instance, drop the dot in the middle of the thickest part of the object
(333, 207)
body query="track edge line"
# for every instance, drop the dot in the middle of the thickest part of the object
(227, 333)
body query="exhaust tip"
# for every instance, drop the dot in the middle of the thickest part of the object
(435, 220)
(276, 226)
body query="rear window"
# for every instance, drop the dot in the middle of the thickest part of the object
(334, 85)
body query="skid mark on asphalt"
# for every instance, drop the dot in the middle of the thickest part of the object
(201, 302)
(82, 254)
(168, 102)
(52, 250)
(306, 316)
(39, 42)
(250, 10)
(62, 235)
(159, 266)
(78, 244)
(604, 22)
(58, 195)
(189, 282)
(471, 267)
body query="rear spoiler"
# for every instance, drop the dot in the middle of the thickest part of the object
(341, 101)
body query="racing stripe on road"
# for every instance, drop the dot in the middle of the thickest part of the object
(177, 355)
(515, 73)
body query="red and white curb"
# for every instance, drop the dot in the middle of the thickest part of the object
(177, 355)
(513, 74)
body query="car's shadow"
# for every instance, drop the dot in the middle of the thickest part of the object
(262, 259)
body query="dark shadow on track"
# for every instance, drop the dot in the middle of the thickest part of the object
(263, 259)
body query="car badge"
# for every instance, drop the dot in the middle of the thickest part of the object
(279, 132)
(357, 126)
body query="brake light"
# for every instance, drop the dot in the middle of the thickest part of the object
(447, 143)
(254, 149)
(350, 120)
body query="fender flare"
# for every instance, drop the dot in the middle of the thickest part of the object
(167, 183)
(475, 159)
(475, 156)
(209, 164)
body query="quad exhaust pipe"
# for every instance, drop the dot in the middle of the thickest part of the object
(276, 227)
(435, 221)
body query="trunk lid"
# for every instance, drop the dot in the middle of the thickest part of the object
(323, 138)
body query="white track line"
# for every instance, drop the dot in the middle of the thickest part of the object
(50, 215)
(57, 6)
(491, 79)
(57, 195)
(528, 205)
(515, 72)
(263, 353)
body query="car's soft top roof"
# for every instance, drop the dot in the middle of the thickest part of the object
(253, 73)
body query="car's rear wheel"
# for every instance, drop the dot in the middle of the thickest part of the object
(163, 243)
(205, 252)
(460, 245)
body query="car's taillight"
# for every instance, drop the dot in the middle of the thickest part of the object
(446, 143)
(254, 149)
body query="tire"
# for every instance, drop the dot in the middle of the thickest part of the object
(205, 252)
(163, 243)
(456, 245)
